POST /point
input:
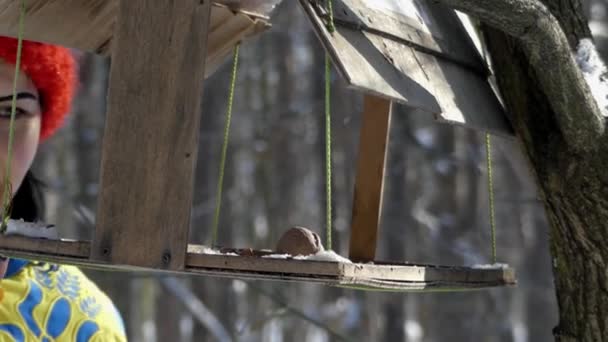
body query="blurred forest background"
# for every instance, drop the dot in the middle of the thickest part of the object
(435, 208)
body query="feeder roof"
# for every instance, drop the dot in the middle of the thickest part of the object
(413, 52)
(89, 25)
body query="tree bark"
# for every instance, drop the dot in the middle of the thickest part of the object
(572, 181)
(546, 32)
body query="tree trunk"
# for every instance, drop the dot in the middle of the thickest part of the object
(573, 185)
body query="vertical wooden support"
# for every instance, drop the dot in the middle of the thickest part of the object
(367, 203)
(151, 133)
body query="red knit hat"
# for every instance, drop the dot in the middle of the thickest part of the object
(53, 70)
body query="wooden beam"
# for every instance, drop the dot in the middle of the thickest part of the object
(151, 135)
(44, 247)
(367, 203)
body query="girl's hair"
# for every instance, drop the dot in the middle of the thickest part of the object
(28, 202)
(53, 70)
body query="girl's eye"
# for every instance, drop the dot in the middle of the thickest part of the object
(5, 112)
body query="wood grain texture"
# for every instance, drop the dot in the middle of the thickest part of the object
(427, 27)
(393, 277)
(466, 99)
(378, 276)
(151, 134)
(85, 24)
(42, 247)
(431, 67)
(369, 183)
(88, 25)
(369, 69)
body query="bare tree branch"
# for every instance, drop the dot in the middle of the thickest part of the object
(550, 55)
(196, 307)
(298, 313)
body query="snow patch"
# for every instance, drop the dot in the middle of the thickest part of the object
(595, 72)
(319, 256)
(276, 256)
(32, 229)
(324, 256)
(496, 266)
(213, 251)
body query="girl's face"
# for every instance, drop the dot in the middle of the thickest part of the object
(26, 129)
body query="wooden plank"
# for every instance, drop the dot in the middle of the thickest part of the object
(366, 67)
(151, 135)
(392, 277)
(88, 25)
(423, 273)
(266, 265)
(367, 284)
(435, 80)
(465, 98)
(379, 276)
(224, 35)
(369, 183)
(58, 248)
(243, 25)
(425, 26)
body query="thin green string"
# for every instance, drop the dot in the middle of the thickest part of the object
(8, 193)
(328, 225)
(331, 27)
(328, 243)
(216, 218)
(491, 196)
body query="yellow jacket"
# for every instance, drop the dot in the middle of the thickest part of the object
(55, 303)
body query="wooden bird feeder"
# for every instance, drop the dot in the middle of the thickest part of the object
(413, 53)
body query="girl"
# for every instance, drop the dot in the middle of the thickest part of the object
(40, 301)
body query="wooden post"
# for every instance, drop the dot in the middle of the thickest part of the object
(151, 133)
(367, 203)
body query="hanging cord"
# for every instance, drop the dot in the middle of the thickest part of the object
(491, 196)
(8, 189)
(218, 204)
(331, 28)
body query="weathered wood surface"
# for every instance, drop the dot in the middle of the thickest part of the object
(151, 135)
(427, 64)
(364, 66)
(426, 27)
(369, 183)
(88, 25)
(392, 277)
(228, 28)
(42, 247)
(382, 277)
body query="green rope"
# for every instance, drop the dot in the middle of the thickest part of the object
(8, 193)
(331, 28)
(216, 218)
(328, 244)
(491, 196)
